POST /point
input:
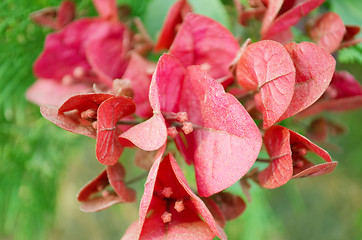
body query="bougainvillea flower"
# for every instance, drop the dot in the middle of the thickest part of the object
(204, 41)
(328, 31)
(212, 141)
(321, 128)
(170, 210)
(266, 66)
(274, 24)
(55, 18)
(94, 115)
(95, 196)
(312, 78)
(86, 51)
(343, 94)
(287, 151)
(174, 18)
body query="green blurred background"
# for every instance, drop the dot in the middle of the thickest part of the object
(42, 167)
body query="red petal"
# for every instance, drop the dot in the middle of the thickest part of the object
(108, 148)
(84, 102)
(312, 78)
(107, 9)
(174, 17)
(291, 17)
(224, 148)
(232, 206)
(346, 85)
(267, 65)
(48, 91)
(280, 170)
(69, 121)
(351, 32)
(149, 135)
(203, 41)
(116, 174)
(328, 31)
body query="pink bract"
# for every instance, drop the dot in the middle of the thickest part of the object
(287, 150)
(170, 210)
(266, 66)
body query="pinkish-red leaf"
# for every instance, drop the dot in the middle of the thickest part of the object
(107, 9)
(345, 85)
(280, 170)
(267, 66)
(312, 77)
(47, 91)
(328, 31)
(290, 17)
(108, 148)
(233, 139)
(69, 121)
(149, 135)
(174, 17)
(203, 41)
(351, 32)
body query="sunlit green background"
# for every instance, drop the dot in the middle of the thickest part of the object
(42, 167)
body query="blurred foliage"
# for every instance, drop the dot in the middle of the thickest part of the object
(42, 167)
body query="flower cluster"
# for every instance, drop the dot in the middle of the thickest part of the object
(219, 101)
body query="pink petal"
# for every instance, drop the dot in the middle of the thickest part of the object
(107, 54)
(174, 17)
(68, 121)
(64, 50)
(116, 174)
(280, 170)
(328, 31)
(107, 9)
(224, 148)
(291, 17)
(113, 175)
(345, 85)
(270, 15)
(203, 41)
(108, 148)
(166, 84)
(267, 66)
(317, 170)
(183, 225)
(312, 78)
(137, 72)
(48, 91)
(149, 135)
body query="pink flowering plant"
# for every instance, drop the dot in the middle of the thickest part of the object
(223, 100)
